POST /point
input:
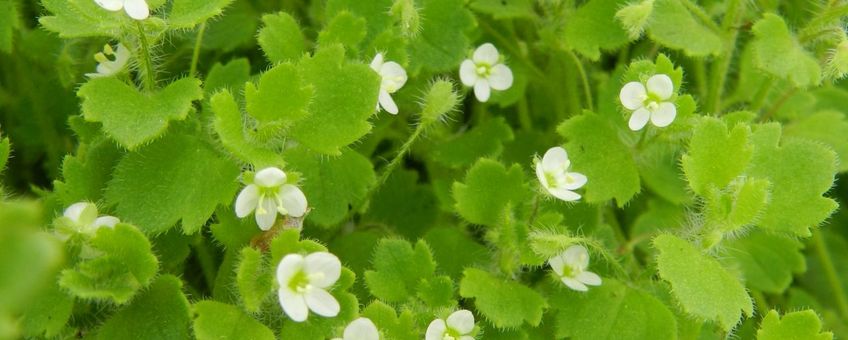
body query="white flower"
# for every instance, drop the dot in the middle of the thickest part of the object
(83, 216)
(649, 103)
(571, 266)
(485, 72)
(304, 282)
(360, 329)
(136, 9)
(393, 78)
(458, 327)
(107, 67)
(268, 195)
(552, 172)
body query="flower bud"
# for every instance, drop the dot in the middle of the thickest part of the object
(634, 17)
(439, 100)
(405, 12)
(837, 62)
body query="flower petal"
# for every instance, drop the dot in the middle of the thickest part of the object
(577, 180)
(137, 9)
(394, 76)
(564, 194)
(486, 54)
(557, 263)
(632, 95)
(466, 337)
(482, 90)
(639, 118)
(661, 86)
(589, 278)
(377, 62)
(266, 214)
(500, 77)
(664, 115)
(106, 221)
(293, 200)
(468, 72)
(555, 160)
(540, 174)
(82, 213)
(322, 268)
(110, 5)
(574, 284)
(246, 200)
(269, 177)
(387, 103)
(294, 305)
(577, 256)
(461, 321)
(290, 265)
(322, 303)
(436, 330)
(361, 329)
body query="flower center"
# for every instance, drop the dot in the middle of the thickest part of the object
(652, 106)
(484, 70)
(300, 282)
(571, 271)
(392, 84)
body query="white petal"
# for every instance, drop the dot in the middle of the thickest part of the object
(501, 77)
(577, 181)
(137, 9)
(557, 263)
(246, 200)
(269, 177)
(632, 95)
(106, 221)
(555, 160)
(589, 278)
(322, 303)
(266, 214)
(377, 62)
(486, 54)
(111, 5)
(661, 86)
(468, 73)
(436, 330)
(394, 76)
(361, 329)
(574, 284)
(387, 103)
(540, 174)
(81, 212)
(482, 90)
(294, 305)
(322, 268)
(466, 337)
(639, 119)
(564, 194)
(122, 55)
(290, 265)
(461, 321)
(577, 256)
(293, 200)
(664, 114)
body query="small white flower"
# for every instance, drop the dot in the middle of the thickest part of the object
(269, 195)
(83, 216)
(485, 71)
(649, 102)
(107, 67)
(571, 266)
(304, 282)
(361, 329)
(136, 9)
(457, 327)
(553, 173)
(393, 78)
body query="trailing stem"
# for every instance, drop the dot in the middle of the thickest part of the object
(146, 64)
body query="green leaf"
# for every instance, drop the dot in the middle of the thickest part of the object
(672, 25)
(798, 325)
(828, 127)
(483, 140)
(773, 38)
(716, 156)
(488, 190)
(187, 178)
(235, 29)
(345, 95)
(399, 269)
(800, 172)
(254, 279)
(281, 96)
(80, 19)
(229, 76)
(442, 45)
(391, 325)
(505, 9)
(444, 242)
(506, 304)
(702, 286)
(589, 30)
(139, 117)
(767, 261)
(124, 265)
(332, 184)
(161, 312)
(346, 29)
(289, 242)
(215, 320)
(47, 314)
(189, 13)
(404, 204)
(5, 150)
(613, 176)
(233, 232)
(87, 173)
(281, 38)
(612, 311)
(376, 12)
(9, 22)
(229, 126)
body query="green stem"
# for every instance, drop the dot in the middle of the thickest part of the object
(535, 209)
(777, 105)
(587, 91)
(195, 56)
(820, 248)
(722, 64)
(701, 77)
(762, 93)
(762, 304)
(206, 260)
(148, 77)
(699, 12)
(524, 114)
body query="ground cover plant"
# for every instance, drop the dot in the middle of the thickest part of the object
(423, 169)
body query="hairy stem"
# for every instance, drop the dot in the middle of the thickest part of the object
(146, 64)
(587, 90)
(195, 56)
(820, 248)
(722, 64)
